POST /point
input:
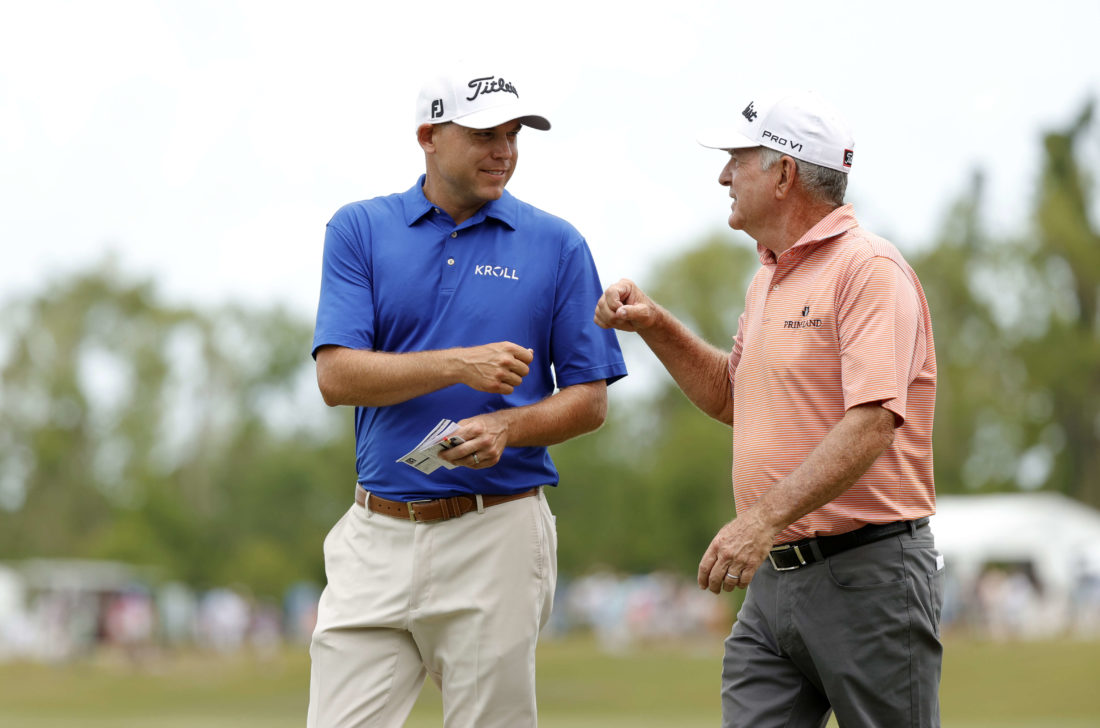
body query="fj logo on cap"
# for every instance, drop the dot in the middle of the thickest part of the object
(848, 154)
(437, 108)
(749, 112)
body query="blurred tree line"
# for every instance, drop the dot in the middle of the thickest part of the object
(195, 440)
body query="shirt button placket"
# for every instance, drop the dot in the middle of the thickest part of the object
(450, 256)
(450, 271)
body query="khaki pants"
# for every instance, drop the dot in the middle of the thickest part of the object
(461, 600)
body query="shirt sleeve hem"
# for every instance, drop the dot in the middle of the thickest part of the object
(888, 403)
(610, 373)
(348, 342)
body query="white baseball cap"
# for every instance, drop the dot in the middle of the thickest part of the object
(799, 123)
(475, 100)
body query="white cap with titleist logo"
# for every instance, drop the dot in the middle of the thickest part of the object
(799, 123)
(475, 100)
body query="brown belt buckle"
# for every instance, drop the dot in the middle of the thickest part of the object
(787, 547)
(412, 511)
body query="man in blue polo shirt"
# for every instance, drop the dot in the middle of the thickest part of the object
(451, 300)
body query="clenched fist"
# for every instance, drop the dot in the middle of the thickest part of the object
(497, 368)
(625, 306)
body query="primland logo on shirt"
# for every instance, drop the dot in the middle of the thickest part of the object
(496, 271)
(804, 323)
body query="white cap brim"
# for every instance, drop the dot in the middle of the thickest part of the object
(488, 118)
(724, 138)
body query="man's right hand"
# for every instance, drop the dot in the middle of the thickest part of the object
(497, 368)
(625, 306)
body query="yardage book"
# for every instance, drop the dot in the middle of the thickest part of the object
(423, 456)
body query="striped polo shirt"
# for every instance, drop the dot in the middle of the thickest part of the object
(837, 320)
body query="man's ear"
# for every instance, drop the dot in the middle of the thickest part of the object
(425, 136)
(788, 173)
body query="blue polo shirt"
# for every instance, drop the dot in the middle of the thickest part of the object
(400, 276)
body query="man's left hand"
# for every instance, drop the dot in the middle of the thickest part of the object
(734, 555)
(485, 437)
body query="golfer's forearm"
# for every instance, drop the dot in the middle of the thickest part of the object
(842, 457)
(570, 412)
(699, 369)
(377, 379)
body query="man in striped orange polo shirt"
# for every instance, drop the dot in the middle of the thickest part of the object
(829, 389)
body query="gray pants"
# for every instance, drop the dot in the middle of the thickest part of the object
(857, 634)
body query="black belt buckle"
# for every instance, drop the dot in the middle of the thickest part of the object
(796, 550)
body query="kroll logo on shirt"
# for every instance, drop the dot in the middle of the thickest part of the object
(496, 271)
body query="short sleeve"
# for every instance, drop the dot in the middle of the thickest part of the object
(345, 312)
(735, 351)
(581, 350)
(878, 318)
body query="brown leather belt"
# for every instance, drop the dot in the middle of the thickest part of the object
(437, 509)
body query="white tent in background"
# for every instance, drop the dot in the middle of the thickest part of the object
(1058, 536)
(1055, 538)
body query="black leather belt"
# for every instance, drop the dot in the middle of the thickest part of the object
(797, 554)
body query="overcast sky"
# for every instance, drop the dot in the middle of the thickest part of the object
(208, 143)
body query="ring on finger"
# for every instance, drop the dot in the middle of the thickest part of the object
(477, 460)
(731, 577)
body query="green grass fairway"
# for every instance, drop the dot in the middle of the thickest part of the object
(985, 685)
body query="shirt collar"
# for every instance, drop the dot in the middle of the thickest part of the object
(417, 206)
(836, 223)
